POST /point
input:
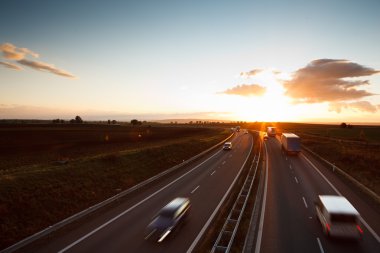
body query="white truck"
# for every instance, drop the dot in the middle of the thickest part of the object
(291, 143)
(271, 131)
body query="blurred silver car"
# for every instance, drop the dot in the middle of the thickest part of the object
(168, 219)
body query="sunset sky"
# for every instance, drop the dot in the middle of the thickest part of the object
(304, 61)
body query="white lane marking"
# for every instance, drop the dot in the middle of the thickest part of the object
(290, 166)
(320, 245)
(134, 206)
(196, 188)
(261, 225)
(295, 178)
(207, 224)
(213, 172)
(224, 162)
(336, 190)
(286, 158)
(304, 201)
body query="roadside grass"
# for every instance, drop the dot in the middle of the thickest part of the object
(360, 160)
(35, 196)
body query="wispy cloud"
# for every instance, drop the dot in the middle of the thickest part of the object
(251, 73)
(325, 80)
(246, 90)
(42, 66)
(11, 52)
(10, 65)
(362, 106)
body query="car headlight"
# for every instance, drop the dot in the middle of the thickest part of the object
(164, 235)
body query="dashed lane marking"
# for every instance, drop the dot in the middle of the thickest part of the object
(196, 188)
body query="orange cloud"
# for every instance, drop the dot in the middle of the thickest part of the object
(10, 65)
(42, 66)
(11, 52)
(362, 106)
(324, 80)
(253, 72)
(246, 90)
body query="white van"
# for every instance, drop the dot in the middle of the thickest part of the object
(338, 217)
(227, 146)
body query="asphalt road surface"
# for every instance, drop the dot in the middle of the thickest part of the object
(289, 223)
(122, 228)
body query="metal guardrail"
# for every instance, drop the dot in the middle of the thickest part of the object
(345, 174)
(250, 239)
(227, 235)
(28, 240)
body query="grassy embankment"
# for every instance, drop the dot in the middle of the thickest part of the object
(355, 150)
(36, 191)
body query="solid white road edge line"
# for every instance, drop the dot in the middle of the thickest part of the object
(196, 188)
(199, 236)
(336, 190)
(261, 225)
(133, 207)
(320, 245)
(296, 180)
(213, 172)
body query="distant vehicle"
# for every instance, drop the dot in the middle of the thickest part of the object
(238, 129)
(265, 137)
(291, 143)
(227, 146)
(168, 219)
(271, 131)
(338, 217)
(246, 132)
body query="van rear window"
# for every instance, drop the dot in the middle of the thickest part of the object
(343, 218)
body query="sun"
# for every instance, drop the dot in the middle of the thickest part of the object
(273, 106)
(269, 108)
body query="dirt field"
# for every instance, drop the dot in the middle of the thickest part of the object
(25, 145)
(55, 171)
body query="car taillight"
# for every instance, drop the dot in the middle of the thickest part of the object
(328, 226)
(360, 229)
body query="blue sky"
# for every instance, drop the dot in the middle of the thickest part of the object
(165, 59)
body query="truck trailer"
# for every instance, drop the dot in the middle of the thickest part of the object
(291, 143)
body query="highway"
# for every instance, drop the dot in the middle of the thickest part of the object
(122, 227)
(288, 221)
